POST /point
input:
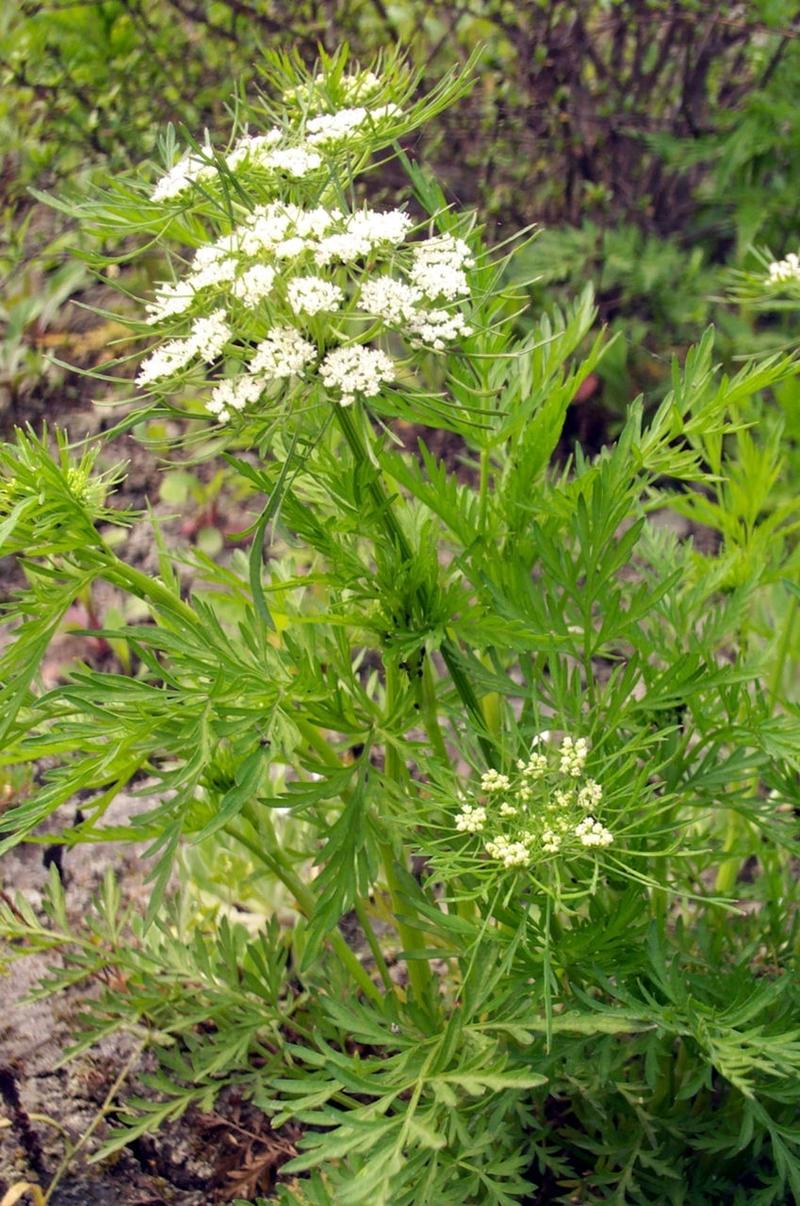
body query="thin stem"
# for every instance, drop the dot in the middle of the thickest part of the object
(388, 518)
(783, 651)
(426, 697)
(419, 972)
(374, 944)
(306, 902)
(483, 495)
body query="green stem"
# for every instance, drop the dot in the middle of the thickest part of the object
(275, 862)
(374, 944)
(419, 973)
(782, 652)
(426, 697)
(483, 495)
(388, 518)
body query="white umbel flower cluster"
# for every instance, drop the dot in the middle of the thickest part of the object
(493, 780)
(542, 809)
(312, 294)
(329, 128)
(592, 833)
(471, 819)
(190, 169)
(510, 854)
(283, 267)
(788, 269)
(389, 299)
(234, 394)
(356, 369)
(438, 268)
(253, 148)
(284, 353)
(254, 284)
(208, 337)
(573, 756)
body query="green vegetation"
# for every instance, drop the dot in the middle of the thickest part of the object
(471, 765)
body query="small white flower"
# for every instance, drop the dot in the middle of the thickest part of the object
(166, 360)
(363, 231)
(284, 353)
(392, 300)
(210, 334)
(234, 394)
(592, 833)
(470, 819)
(437, 328)
(573, 756)
(294, 161)
(333, 127)
(207, 338)
(253, 148)
(534, 768)
(438, 267)
(211, 267)
(590, 794)
(311, 294)
(510, 854)
(190, 168)
(508, 810)
(356, 370)
(289, 249)
(493, 780)
(171, 298)
(551, 842)
(787, 269)
(254, 285)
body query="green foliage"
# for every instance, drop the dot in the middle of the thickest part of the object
(352, 747)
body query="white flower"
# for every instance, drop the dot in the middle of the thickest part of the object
(311, 294)
(166, 360)
(510, 854)
(284, 353)
(508, 810)
(234, 394)
(190, 168)
(314, 223)
(255, 284)
(392, 300)
(590, 794)
(332, 127)
(356, 370)
(263, 230)
(295, 161)
(492, 780)
(438, 267)
(592, 833)
(207, 338)
(212, 265)
(360, 84)
(289, 249)
(253, 147)
(363, 230)
(551, 842)
(470, 819)
(210, 334)
(573, 756)
(437, 328)
(534, 768)
(787, 269)
(171, 298)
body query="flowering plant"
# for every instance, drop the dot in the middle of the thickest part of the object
(460, 782)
